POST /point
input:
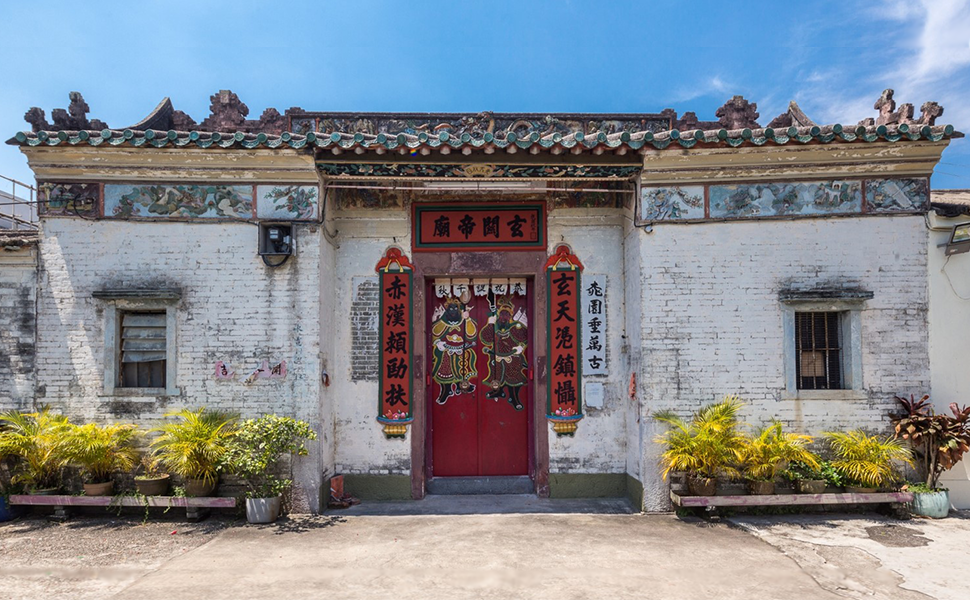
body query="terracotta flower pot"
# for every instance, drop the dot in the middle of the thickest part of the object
(854, 489)
(702, 486)
(157, 486)
(105, 488)
(810, 486)
(198, 488)
(761, 488)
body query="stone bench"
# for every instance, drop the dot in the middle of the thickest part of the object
(789, 499)
(196, 509)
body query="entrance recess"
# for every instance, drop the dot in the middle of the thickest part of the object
(480, 394)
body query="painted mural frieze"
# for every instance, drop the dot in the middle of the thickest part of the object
(68, 199)
(781, 199)
(286, 202)
(362, 198)
(165, 200)
(670, 203)
(405, 170)
(897, 195)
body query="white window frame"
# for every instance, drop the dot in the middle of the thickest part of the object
(851, 305)
(122, 301)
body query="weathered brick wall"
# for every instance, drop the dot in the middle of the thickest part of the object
(712, 321)
(364, 332)
(18, 294)
(233, 308)
(600, 443)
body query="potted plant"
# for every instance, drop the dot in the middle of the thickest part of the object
(37, 441)
(255, 455)
(938, 443)
(706, 446)
(194, 446)
(770, 451)
(867, 462)
(100, 450)
(807, 477)
(152, 481)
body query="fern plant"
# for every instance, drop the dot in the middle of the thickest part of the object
(195, 445)
(100, 450)
(707, 445)
(37, 439)
(772, 449)
(867, 460)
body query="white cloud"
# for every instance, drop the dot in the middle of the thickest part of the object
(707, 87)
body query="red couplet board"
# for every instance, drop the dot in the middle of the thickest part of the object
(396, 405)
(565, 356)
(480, 388)
(469, 228)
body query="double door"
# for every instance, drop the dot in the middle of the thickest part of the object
(480, 394)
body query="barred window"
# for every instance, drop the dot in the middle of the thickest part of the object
(819, 350)
(143, 350)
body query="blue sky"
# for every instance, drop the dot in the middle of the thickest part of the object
(833, 57)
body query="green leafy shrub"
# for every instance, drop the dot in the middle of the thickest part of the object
(100, 450)
(37, 441)
(195, 445)
(707, 445)
(258, 447)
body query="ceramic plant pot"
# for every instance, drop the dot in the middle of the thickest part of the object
(931, 504)
(198, 488)
(761, 488)
(105, 488)
(262, 510)
(45, 492)
(702, 486)
(854, 489)
(156, 486)
(6, 511)
(810, 486)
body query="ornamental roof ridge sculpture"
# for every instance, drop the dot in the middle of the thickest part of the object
(227, 126)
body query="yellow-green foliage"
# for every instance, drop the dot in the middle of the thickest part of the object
(38, 440)
(195, 445)
(771, 449)
(867, 460)
(102, 449)
(706, 446)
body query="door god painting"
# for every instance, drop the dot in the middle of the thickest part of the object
(454, 335)
(504, 339)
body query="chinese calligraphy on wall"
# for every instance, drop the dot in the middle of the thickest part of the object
(396, 403)
(594, 325)
(479, 227)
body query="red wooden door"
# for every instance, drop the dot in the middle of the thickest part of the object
(480, 395)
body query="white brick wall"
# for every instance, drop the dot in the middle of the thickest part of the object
(18, 285)
(233, 308)
(712, 322)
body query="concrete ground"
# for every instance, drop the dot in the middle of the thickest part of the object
(452, 547)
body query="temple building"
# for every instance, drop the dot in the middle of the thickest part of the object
(478, 303)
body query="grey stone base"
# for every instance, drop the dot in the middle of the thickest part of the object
(589, 485)
(480, 485)
(378, 487)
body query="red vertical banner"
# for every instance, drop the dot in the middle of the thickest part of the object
(396, 390)
(565, 407)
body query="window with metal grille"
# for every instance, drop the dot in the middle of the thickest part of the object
(818, 351)
(143, 350)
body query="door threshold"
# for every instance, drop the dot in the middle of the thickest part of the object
(461, 486)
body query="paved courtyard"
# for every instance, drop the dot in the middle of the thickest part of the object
(485, 548)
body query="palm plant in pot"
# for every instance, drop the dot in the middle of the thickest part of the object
(867, 462)
(769, 452)
(36, 441)
(706, 446)
(194, 446)
(938, 443)
(100, 450)
(255, 455)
